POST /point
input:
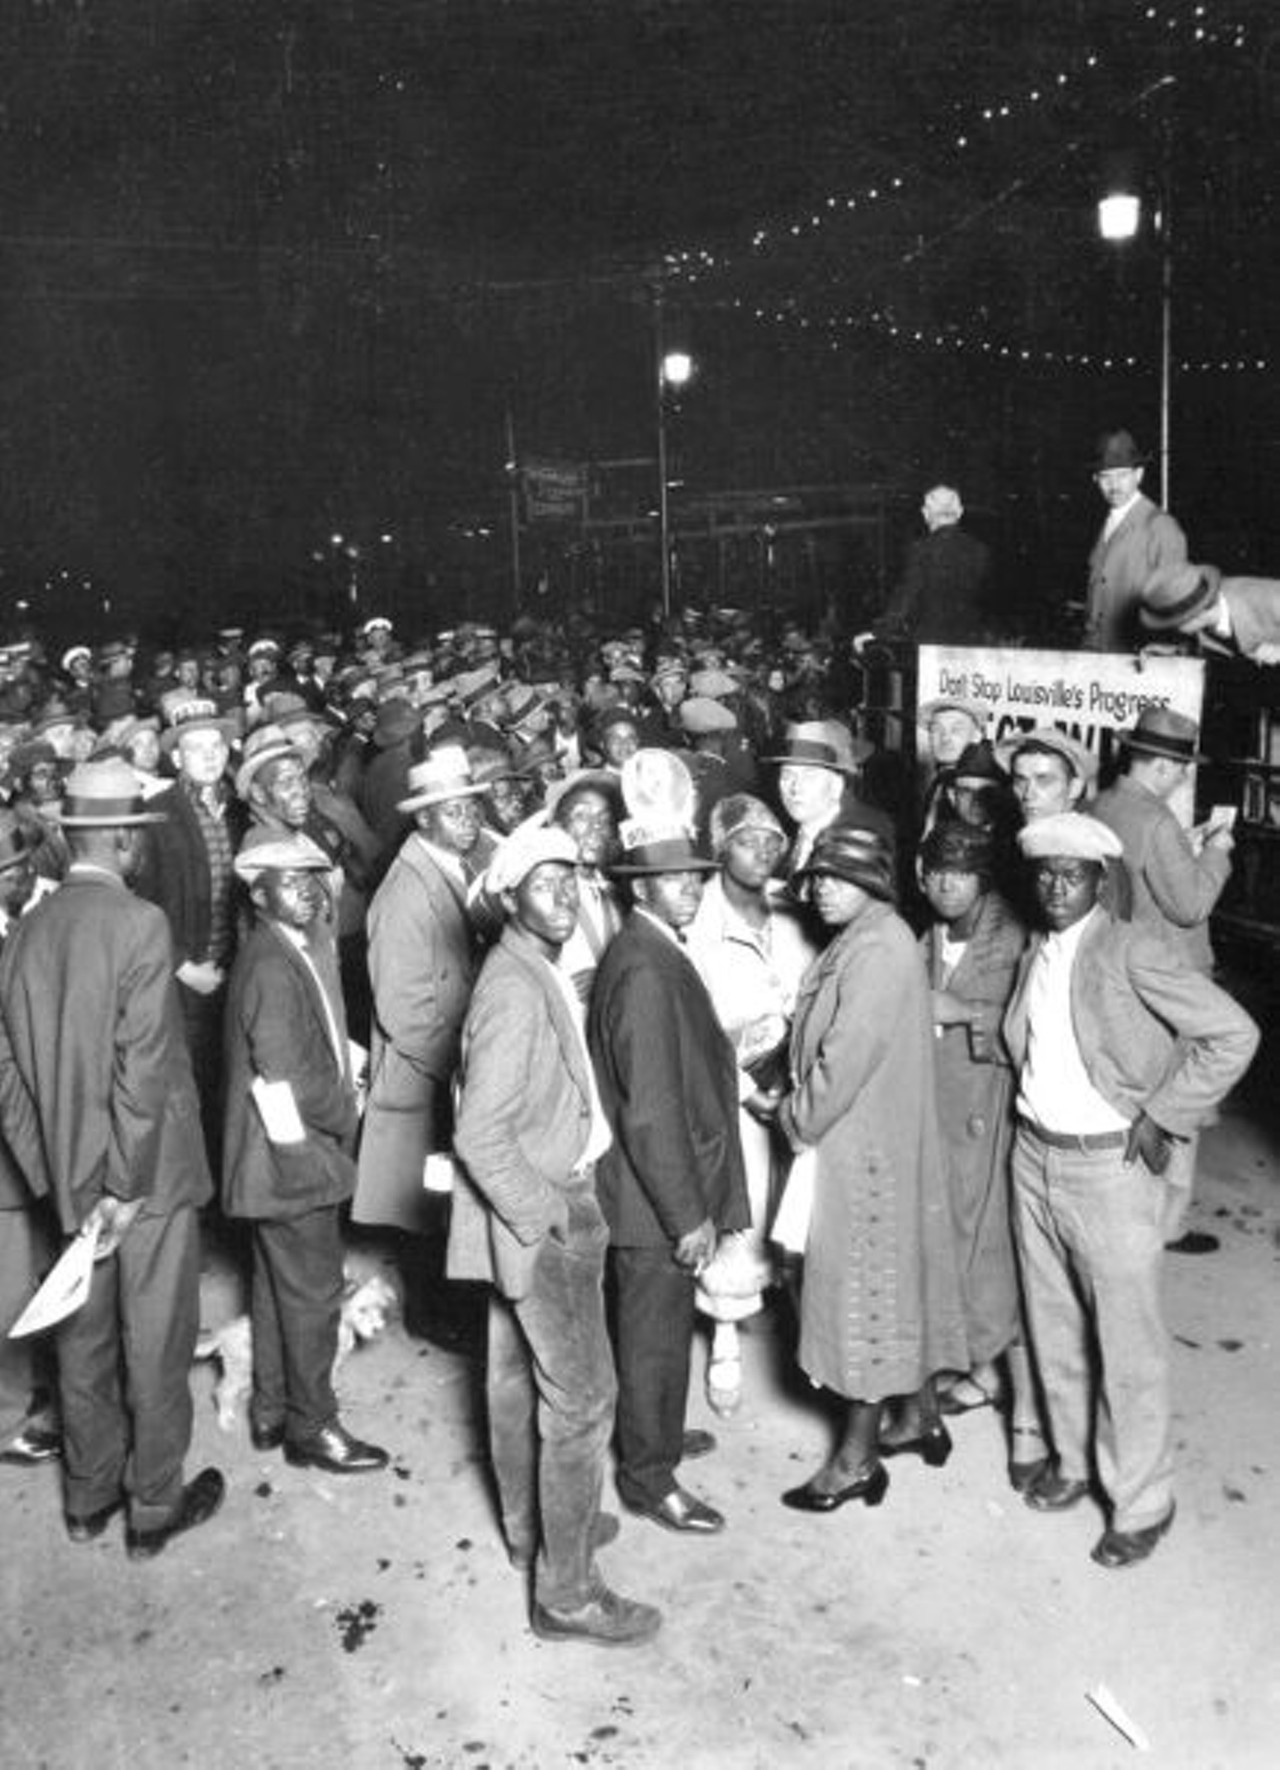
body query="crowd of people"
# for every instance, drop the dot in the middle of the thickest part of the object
(612, 964)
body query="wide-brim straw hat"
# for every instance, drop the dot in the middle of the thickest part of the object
(104, 795)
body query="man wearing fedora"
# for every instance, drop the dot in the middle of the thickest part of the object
(423, 956)
(673, 1179)
(1177, 876)
(819, 765)
(1239, 617)
(1137, 539)
(100, 1111)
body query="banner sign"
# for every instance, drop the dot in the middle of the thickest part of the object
(1092, 695)
(554, 491)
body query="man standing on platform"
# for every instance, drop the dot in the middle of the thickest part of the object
(1137, 540)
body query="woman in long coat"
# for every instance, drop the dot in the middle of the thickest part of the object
(881, 1310)
(972, 951)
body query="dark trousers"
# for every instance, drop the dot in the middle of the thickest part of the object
(551, 1392)
(202, 1017)
(123, 1364)
(295, 1306)
(654, 1334)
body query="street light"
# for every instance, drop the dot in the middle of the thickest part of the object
(674, 369)
(1120, 220)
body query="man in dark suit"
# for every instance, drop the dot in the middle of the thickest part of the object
(1137, 539)
(186, 869)
(526, 1219)
(286, 1025)
(100, 1111)
(939, 600)
(674, 1177)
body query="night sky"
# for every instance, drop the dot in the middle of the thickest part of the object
(275, 273)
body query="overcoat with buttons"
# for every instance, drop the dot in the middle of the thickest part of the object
(880, 1307)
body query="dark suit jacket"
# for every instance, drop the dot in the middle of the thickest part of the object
(276, 1028)
(940, 598)
(96, 1092)
(669, 1083)
(523, 1119)
(175, 870)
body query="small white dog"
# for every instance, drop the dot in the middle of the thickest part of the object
(367, 1306)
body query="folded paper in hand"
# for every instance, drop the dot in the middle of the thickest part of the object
(64, 1290)
(438, 1171)
(279, 1111)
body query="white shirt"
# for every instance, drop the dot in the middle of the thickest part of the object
(1055, 1091)
(1117, 515)
(600, 1136)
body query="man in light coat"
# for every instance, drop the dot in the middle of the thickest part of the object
(1137, 539)
(526, 1219)
(1122, 1051)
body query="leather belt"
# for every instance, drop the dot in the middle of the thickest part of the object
(1069, 1140)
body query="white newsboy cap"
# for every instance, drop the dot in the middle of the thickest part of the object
(1073, 834)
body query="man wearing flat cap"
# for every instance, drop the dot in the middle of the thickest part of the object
(1122, 1051)
(1136, 540)
(99, 1108)
(526, 1219)
(289, 1173)
(673, 1179)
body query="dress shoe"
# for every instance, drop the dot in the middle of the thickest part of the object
(1125, 1548)
(932, 1447)
(89, 1525)
(606, 1620)
(333, 1448)
(200, 1500)
(696, 1443)
(266, 1435)
(603, 1532)
(1194, 1241)
(870, 1487)
(34, 1444)
(1052, 1492)
(680, 1511)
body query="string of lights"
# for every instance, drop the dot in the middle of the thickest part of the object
(1195, 24)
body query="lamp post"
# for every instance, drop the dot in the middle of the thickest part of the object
(673, 369)
(1120, 220)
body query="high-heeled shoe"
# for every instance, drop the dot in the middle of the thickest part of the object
(870, 1487)
(932, 1447)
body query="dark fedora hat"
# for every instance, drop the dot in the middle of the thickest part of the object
(1171, 598)
(977, 762)
(1116, 448)
(852, 852)
(1162, 732)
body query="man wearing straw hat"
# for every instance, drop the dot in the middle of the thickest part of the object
(100, 1110)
